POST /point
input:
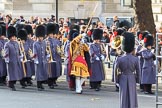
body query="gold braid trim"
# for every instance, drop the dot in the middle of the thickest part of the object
(79, 69)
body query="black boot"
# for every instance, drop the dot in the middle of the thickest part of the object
(150, 89)
(117, 88)
(4, 80)
(29, 82)
(40, 86)
(98, 85)
(22, 83)
(11, 85)
(51, 83)
(55, 84)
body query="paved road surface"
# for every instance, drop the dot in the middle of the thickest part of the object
(61, 97)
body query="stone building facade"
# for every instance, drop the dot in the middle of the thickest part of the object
(74, 8)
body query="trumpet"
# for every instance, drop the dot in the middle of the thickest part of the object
(22, 51)
(103, 48)
(48, 50)
(60, 50)
(30, 52)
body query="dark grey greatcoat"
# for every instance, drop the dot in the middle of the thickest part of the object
(3, 69)
(57, 58)
(40, 60)
(148, 68)
(96, 66)
(12, 58)
(127, 71)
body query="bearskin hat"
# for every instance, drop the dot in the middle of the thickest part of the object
(11, 31)
(28, 29)
(74, 32)
(22, 34)
(148, 40)
(3, 30)
(145, 33)
(97, 34)
(51, 28)
(128, 42)
(40, 31)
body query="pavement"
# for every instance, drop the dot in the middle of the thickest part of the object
(62, 97)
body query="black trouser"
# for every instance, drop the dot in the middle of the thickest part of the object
(22, 81)
(11, 84)
(142, 86)
(148, 87)
(51, 81)
(3, 79)
(28, 80)
(95, 84)
(39, 84)
(55, 79)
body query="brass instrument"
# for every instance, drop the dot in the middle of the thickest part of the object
(116, 42)
(103, 48)
(22, 51)
(50, 60)
(30, 52)
(48, 50)
(60, 50)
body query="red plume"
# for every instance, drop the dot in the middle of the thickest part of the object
(140, 36)
(145, 40)
(115, 33)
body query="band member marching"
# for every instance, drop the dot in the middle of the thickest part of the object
(74, 32)
(51, 63)
(97, 57)
(77, 63)
(127, 73)
(30, 43)
(148, 69)
(27, 69)
(140, 47)
(116, 51)
(3, 69)
(12, 59)
(41, 53)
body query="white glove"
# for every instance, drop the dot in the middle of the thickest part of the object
(102, 57)
(97, 58)
(7, 60)
(154, 62)
(36, 62)
(152, 50)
